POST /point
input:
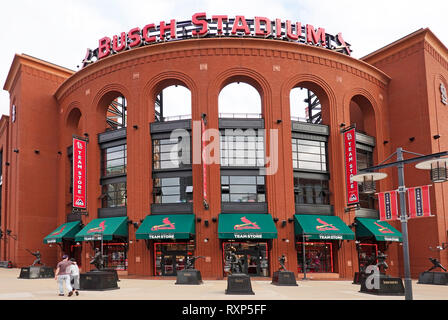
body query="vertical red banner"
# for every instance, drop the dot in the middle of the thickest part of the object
(204, 165)
(351, 166)
(79, 173)
(388, 205)
(419, 202)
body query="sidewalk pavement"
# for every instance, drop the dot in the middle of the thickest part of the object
(13, 288)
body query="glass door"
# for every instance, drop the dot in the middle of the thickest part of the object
(171, 257)
(252, 255)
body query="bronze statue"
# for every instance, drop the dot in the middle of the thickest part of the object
(235, 263)
(382, 265)
(38, 257)
(435, 264)
(282, 261)
(189, 263)
(98, 260)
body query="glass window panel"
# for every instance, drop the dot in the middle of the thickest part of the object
(242, 179)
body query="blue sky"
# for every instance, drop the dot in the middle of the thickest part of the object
(60, 31)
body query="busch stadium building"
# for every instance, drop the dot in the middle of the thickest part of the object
(100, 158)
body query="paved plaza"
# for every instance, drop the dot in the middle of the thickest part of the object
(12, 288)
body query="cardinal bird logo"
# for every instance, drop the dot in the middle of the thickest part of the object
(246, 225)
(325, 226)
(383, 229)
(100, 228)
(167, 225)
(56, 233)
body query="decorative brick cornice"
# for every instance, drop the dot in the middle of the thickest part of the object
(223, 47)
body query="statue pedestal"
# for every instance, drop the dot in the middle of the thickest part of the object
(239, 283)
(98, 280)
(359, 277)
(284, 278)
(190, 276)
(5, 264)
(388, 286)
(38, 272)
(429, 277)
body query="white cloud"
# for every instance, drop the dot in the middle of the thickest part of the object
(60, 31)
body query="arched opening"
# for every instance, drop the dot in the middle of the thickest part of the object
(239, 100)
(173, 103)
(362, 115)
(73, 120)
(305, 106)
(113, 108)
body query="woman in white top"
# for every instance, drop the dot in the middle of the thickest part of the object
(74, 276)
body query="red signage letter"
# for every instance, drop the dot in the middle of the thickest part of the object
(289, 33)
(258, 30)
(278, 28)
(220, 19)
(145, 33)
(197, 21)
(134, 36)
(104, 48)
(123, 43)
(171, 27)
(312, 36)
(243, 27)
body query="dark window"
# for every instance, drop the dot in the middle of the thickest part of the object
(245, 149)
(309, 155)
(311, 191)
(318, 257)
(114, 195)
(173, 190)
(364, 159)
(170, 154)
(114, 160)
(243, 189)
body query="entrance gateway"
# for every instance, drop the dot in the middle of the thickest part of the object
(216, 26)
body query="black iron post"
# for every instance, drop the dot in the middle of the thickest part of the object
(404, 226)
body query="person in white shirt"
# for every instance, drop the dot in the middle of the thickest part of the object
(74, 276)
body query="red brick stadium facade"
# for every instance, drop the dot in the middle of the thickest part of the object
(391, 95)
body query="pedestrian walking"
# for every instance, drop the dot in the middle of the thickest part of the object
(62, 275)
(74, 276)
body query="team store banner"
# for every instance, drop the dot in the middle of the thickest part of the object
(418, 203)
(79, 173)
(387, 205)
(351, 166)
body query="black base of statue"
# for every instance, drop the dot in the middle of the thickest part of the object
(190, 276)
(5, 264)
(388, 286)
(284, 278)
(429, 277)
(98, 281)
(359, 277)
(113, 271)
(239, 283)
(36, 272)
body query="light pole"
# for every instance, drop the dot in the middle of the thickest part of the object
(441, 165)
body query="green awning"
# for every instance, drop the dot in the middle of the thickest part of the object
(105, 228)
(67, 231)
(246, 226)
(381, 230)
(320, 227)
(166, 226)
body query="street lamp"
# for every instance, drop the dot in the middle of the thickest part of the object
(367, 180)
(439, 167)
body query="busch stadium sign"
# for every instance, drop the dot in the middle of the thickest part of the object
(201, 26)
